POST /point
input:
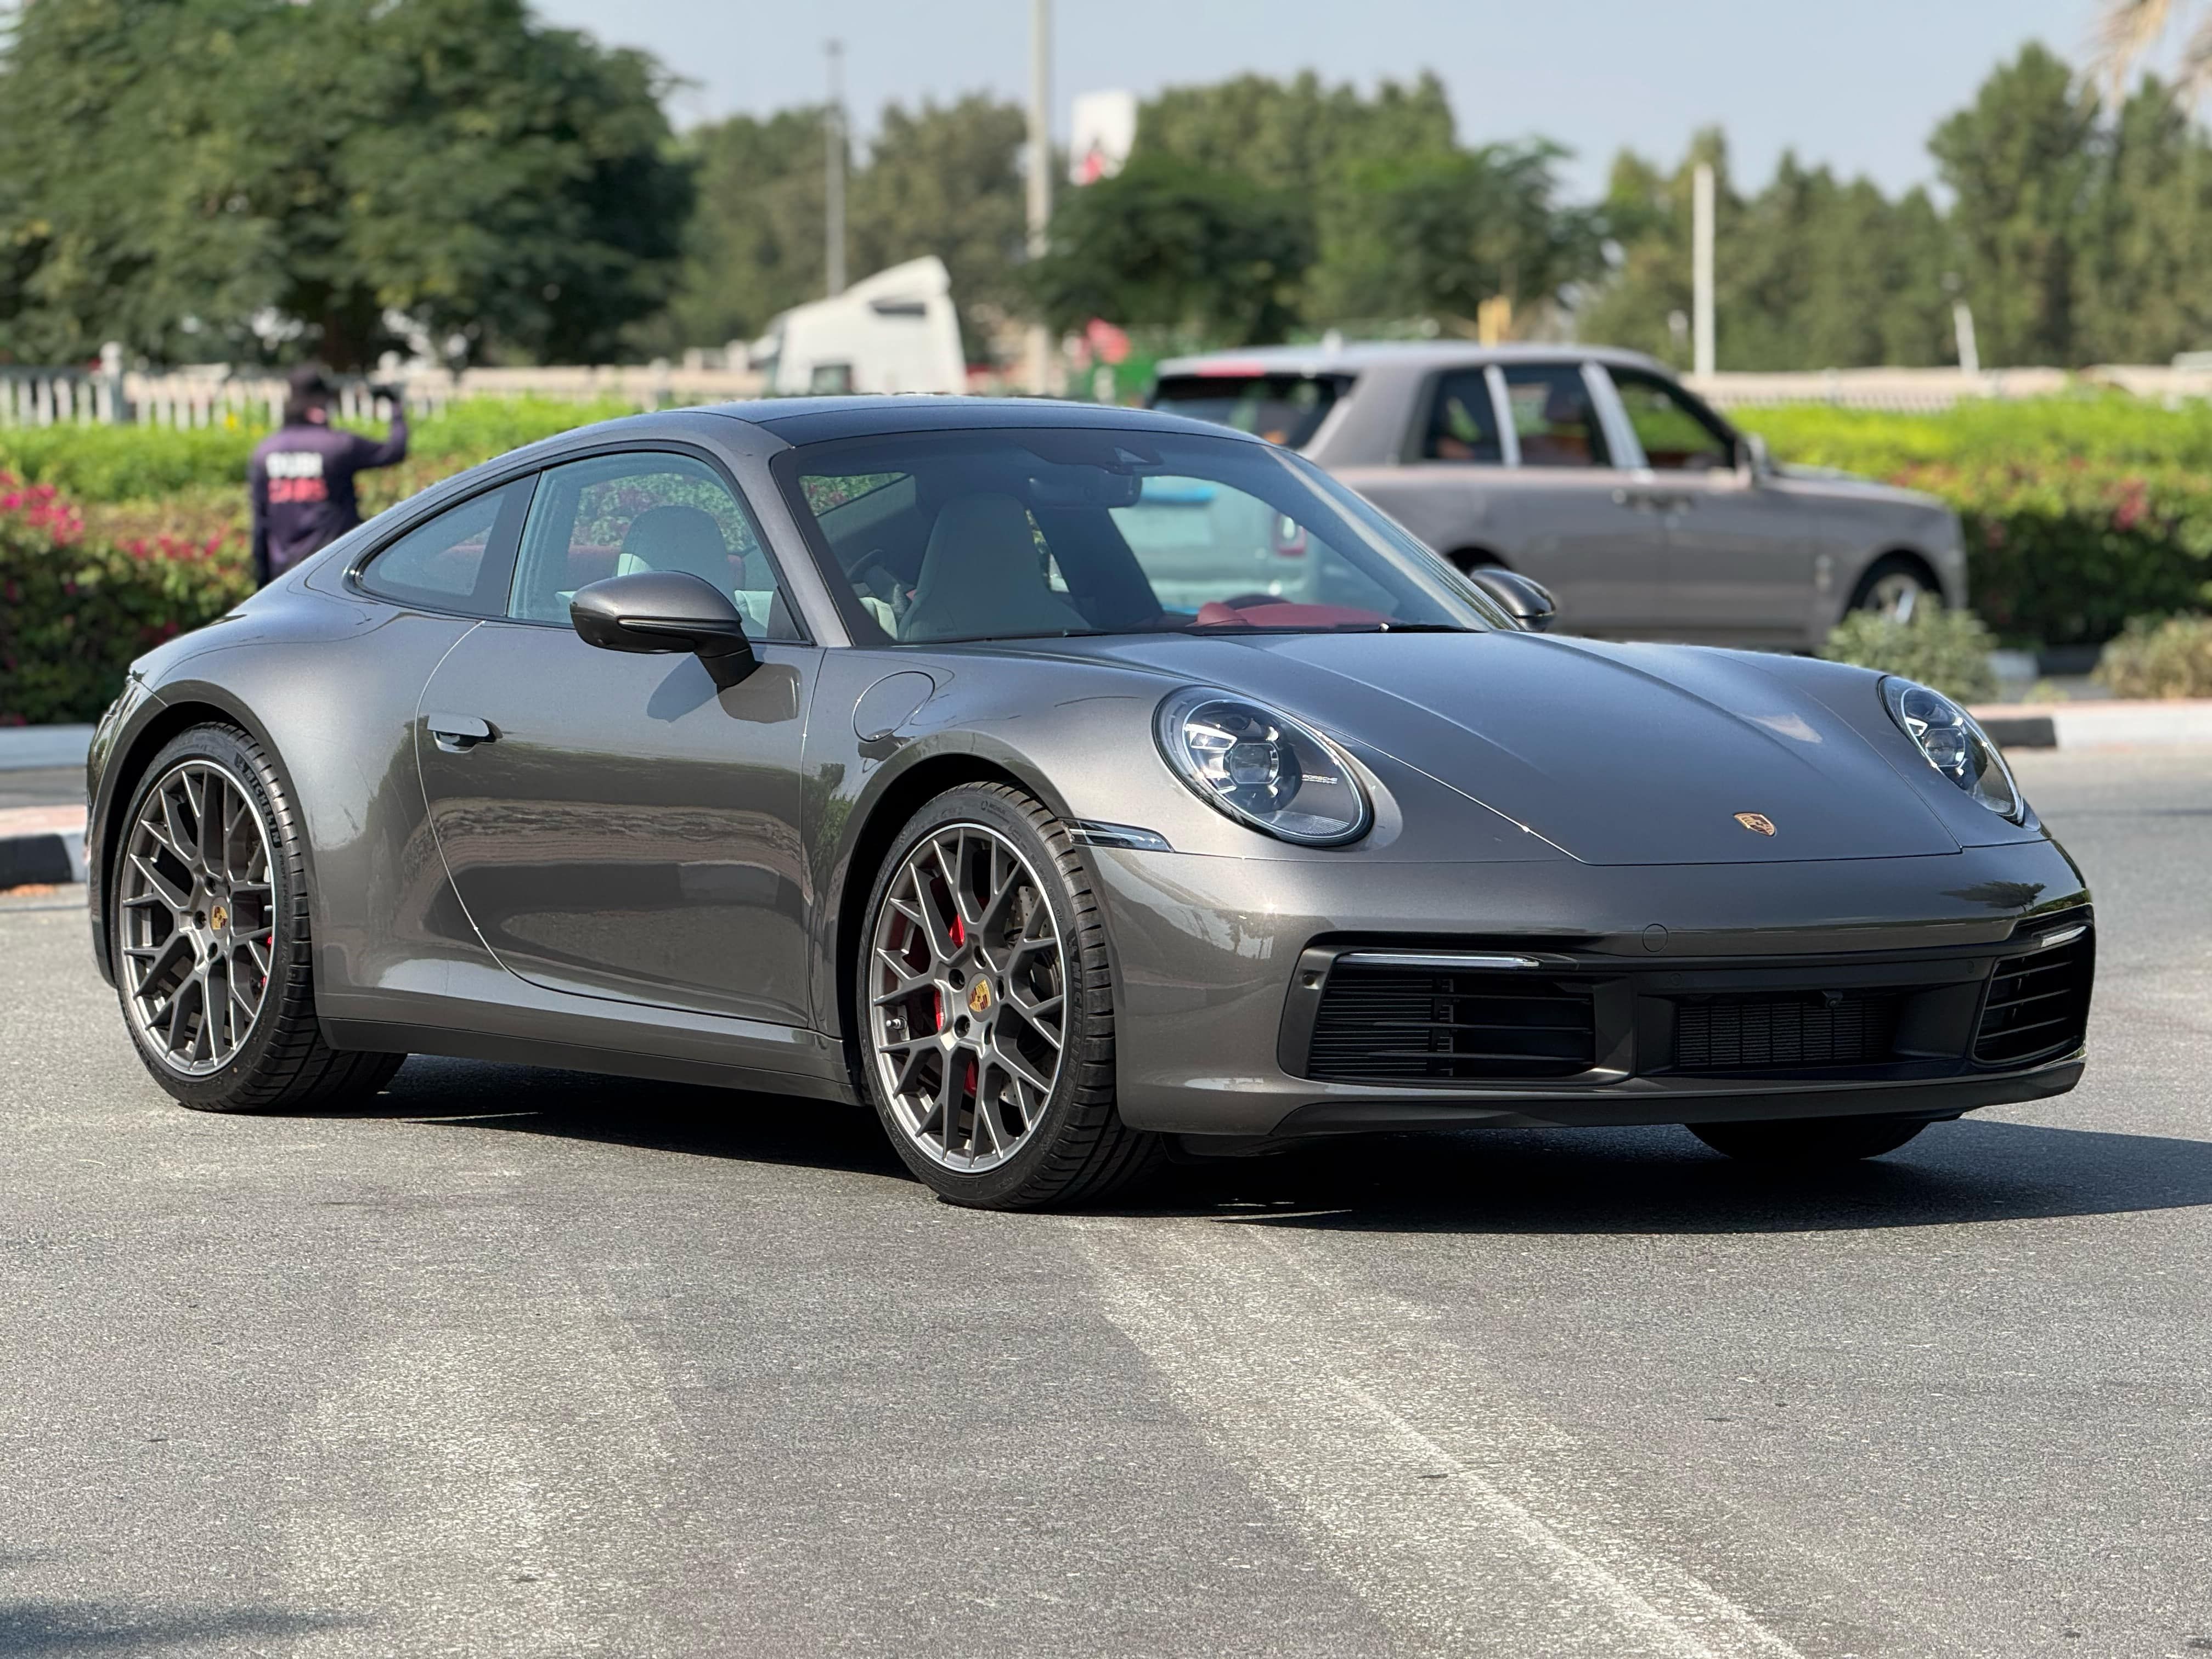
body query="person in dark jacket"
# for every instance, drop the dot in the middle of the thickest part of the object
(301, 476)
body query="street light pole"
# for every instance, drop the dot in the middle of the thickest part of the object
(832, 185)
(1040, 181)
(1701, 268)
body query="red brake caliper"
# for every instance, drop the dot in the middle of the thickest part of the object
(959, 937)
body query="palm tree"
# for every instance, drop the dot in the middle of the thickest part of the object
(2128, 29)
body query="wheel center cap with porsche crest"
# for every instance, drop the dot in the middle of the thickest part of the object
(979, 997)
(1756, 822)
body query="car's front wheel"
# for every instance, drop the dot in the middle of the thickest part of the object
(1807, 1141)
(209, 920)
(986, 1008)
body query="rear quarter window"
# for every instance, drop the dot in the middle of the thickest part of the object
(1284, 408)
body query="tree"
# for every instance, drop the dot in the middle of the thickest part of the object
(2020, 162)
(948, 182)
(753, 247)
(2141, 290)
(242, 177)
(1169, 244)
(945, 180)
(1436, 233)
(1315, 148)
(1296, 135)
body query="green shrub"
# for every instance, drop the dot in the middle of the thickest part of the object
(2078, 512)
(2064, 555)
(1947, 649)
(2172, 658)
(75, 609)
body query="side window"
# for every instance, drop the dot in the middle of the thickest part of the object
(615, 514)
(1553, 417)
(1462, 424)
(1677, 435)
(459, 561)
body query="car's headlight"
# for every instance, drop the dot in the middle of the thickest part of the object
(1955, 746)
(1263, 769)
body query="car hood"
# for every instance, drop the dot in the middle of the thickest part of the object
(1833, 483)
(1616, 754)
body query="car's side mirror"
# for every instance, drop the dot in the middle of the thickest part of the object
(1751, 457)
(666, 611)
(1528, 603)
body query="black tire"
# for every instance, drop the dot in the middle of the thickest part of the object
(1884, 583)
(1078, 1149)
(282, 1064)
(1809, 1142)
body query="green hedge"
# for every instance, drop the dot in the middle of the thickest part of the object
(2078, 512)
(94, 463)
(76, 608)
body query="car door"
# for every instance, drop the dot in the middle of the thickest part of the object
(1514, 460)
(1738, 566)
(614, 825)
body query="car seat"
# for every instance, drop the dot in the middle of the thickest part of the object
(983, 577)
(680, 538)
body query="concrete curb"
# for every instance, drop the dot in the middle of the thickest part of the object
(2110, 723)
(41, 844)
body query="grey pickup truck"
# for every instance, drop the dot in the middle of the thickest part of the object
(1596, 472)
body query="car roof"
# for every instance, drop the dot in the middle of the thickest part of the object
(1351, 356)
(816, 420)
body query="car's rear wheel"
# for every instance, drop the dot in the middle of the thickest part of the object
(1809, 1141)
(1896, 588)
(986, 1008)
(209, 935)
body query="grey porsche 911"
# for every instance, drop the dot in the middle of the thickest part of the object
(1067, 785)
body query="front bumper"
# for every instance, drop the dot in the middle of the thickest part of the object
(1215, 958)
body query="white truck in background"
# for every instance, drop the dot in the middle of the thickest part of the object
(894, 331)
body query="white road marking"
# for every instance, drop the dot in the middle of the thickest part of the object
(1468, 1524)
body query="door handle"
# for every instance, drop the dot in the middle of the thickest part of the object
(457, 733)
(1653, 500)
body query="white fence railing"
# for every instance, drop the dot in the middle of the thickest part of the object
(1920, 390)
(197, 398)
(50, 396)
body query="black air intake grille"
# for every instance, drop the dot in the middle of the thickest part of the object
(1784, 1031)
(1391, 1024)
(2038, 1004)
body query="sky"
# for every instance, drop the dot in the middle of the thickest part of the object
(1858, 85)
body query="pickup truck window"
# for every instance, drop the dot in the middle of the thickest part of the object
(1463, 425)
(1553, 417)
(1284, 408)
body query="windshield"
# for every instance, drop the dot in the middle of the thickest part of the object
(1284, 408)
(936, 537)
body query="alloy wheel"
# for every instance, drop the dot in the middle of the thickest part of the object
(968, 994)
(1895, 596)
(197, 918)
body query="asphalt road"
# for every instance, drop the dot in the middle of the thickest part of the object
(539, 1363)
